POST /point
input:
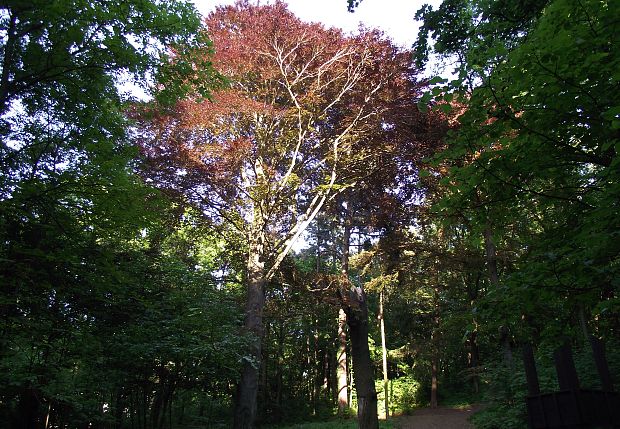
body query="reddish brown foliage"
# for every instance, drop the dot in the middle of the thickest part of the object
(308, 111)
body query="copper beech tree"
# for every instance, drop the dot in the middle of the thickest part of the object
(280, 140)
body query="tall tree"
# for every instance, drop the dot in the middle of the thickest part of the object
(67, 190)
(274, 146)
(537, 156)
(534, 165)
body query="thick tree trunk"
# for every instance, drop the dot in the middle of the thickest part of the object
(354, 305)
(357, 319)
(247, 390)
(384, 350)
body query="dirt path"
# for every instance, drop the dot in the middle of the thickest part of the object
(438, 418)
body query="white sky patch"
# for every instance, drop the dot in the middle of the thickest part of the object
(394, 17)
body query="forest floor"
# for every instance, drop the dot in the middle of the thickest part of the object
(437, 418)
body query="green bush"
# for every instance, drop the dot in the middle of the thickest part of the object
(403, 393)
(504, 398)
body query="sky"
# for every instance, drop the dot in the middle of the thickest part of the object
(394, 17)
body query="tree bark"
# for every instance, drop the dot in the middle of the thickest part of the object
(279, 375)
(491, 256)
(350, 371)
(119, 407)
(354, 305)
(384, 350)
(434, 402)
(357, 319)
(343, 396)
(474, 353)
(474, 359)
(48, 415)
(343, 387)
(583, 323)
(7, 63)
(247, 390)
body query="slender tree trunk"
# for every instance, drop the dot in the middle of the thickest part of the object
(132, 407)
(158, 408)
(317, 367)
(342, 376)
(474, 353)
(7, 63)
(327, 372)
(118, 409)
(311, 372)
(435, 340)
(167, 403)
(434, 381)
(350, 371)
(491, 256)
(247, 390)
(181, 415)
(343, 396)
(135, 408)
(384, 350)
(47, 416)
(170, 410)
(144, 406)
(474, 359)
(583, 324)
(279, 375)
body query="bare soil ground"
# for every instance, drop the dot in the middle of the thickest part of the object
(438, 418)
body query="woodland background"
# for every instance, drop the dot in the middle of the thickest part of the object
(147, 271)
